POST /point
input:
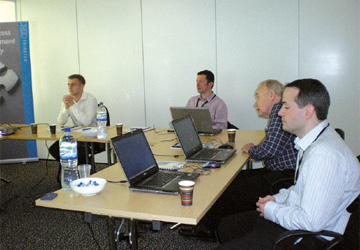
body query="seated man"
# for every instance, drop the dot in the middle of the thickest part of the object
(327, 179)
(279, 156)
(81, 108)
(208, 99)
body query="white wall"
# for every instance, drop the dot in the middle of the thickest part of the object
(141, 57)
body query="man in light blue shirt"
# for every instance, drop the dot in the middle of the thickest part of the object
(327, 178)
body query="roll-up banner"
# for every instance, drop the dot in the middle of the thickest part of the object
(16, 99)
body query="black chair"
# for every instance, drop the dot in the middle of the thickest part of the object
(341, 133)
(230, 125)
(348, 241)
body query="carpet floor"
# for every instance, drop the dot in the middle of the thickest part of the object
(25, 226)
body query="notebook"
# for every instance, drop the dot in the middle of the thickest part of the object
(192, 147)
(140, 167)
(201, 117)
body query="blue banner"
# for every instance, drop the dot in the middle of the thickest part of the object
(16, 99)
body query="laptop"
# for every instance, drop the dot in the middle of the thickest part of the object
(140, 167)
(192, 147)
(201, 117)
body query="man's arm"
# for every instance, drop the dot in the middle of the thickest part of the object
(87, 114)
(63, 115)
(274, 144)
(221, 117)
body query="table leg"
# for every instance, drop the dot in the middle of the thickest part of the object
(93, 169)
(111, 226)
(86, 144)
(108, 150)
(132, 235)
(249, 164)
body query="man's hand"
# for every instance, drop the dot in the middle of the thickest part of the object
(261, 204)
(247, 147)
(68, 101)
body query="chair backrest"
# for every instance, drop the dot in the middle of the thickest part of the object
(341, 133)
(230, 125)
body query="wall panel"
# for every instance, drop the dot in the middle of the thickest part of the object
(329, 51)
(110, 49)
(179, 41)
(256, 40)
(141, 57)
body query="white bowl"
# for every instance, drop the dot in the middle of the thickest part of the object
(91, 133)
(88, 186)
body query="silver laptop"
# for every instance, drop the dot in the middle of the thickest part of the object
(140, 167)
(201, 117)
(192, 147)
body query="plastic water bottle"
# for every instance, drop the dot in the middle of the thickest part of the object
(101, 119)
(68, 159)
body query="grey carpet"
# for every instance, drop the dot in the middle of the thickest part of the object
(25, 226)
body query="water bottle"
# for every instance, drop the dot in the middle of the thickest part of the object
(68, 159)
(101, 119)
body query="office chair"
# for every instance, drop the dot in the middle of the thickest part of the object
(230, 125)
(287, 182)
(350, 239)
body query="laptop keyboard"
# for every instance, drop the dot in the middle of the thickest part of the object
(160, 179)
(206, 154)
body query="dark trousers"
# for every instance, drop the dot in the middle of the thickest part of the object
(251, 232)
(54, 150)
(243, 193)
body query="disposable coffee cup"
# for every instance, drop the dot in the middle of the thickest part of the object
(53, 129)
(231, 135)
(186, 192)
(33, 128)
(84, 170)
(119, 128)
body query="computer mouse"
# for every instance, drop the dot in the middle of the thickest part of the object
(212, 165)
(226, 146)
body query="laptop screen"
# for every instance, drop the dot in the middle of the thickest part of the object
(187, 135)
(201, 117)
(135, 155)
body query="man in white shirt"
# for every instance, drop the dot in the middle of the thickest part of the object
(81, 108)
(327, 179)
(78, 105)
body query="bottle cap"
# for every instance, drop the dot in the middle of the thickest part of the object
(67, 129)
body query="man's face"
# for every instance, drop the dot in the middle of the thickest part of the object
(292, 116)
(202, 84)
(75, 87)
(263, 104)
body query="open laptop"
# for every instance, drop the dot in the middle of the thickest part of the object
(140, 167)
(192, 147)
(201, 117)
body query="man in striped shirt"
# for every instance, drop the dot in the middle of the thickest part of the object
(327, 179)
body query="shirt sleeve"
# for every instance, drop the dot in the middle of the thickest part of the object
(275, 141)
(317, 203)
(221, 117)
(87, 115)
(63, 115)
(191, 102)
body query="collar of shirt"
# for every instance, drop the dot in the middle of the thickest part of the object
(207, 99)
(309, 138)
(84, 96)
